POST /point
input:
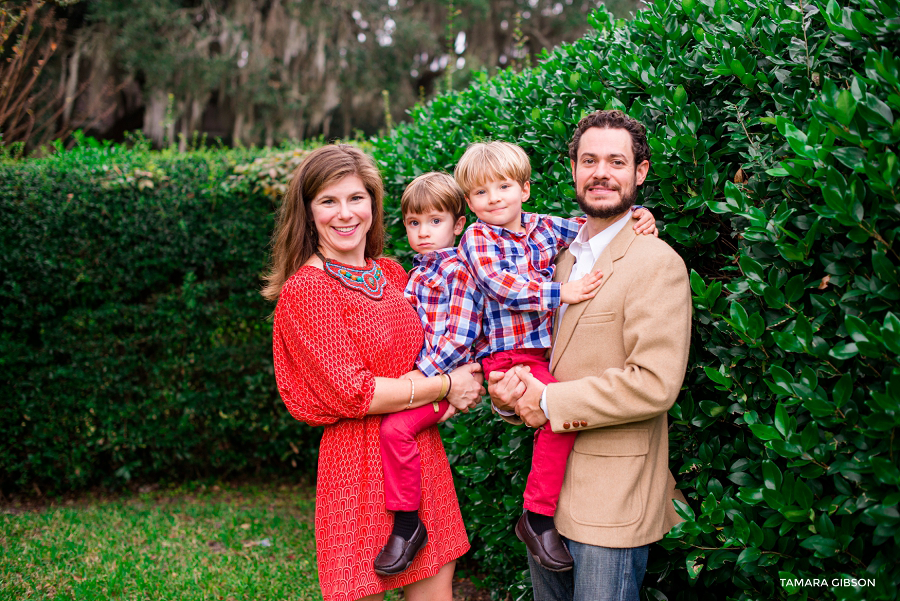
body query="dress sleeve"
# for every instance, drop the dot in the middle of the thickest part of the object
(498, 279)
(318, 367)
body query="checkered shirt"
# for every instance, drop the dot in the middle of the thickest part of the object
(514, 271)
(449, 306)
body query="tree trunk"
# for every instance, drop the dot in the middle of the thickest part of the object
(347, 117)
(72, 82)
(155, 116)
(270, 134)
(237, 131)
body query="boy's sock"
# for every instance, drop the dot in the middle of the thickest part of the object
(540, 523)
(406, 522)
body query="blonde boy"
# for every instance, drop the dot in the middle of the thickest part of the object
(511, 256)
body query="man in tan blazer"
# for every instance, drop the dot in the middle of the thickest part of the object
(620, 359)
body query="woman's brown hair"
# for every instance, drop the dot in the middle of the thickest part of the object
(295, 239)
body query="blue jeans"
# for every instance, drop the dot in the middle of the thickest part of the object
(600, 574)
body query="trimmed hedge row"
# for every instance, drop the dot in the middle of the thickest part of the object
(134, 340)
(774, 130)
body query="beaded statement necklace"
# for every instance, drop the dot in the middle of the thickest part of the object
(369, 280)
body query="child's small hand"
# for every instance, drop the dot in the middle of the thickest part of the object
(450, 412)
(646, 222)
(581, 289)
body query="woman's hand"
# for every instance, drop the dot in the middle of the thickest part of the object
(466, 387)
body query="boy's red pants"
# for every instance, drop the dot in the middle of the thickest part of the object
(400, 454)
(551, 449)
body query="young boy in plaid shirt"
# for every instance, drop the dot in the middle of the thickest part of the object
(450, 306)
(511, 256)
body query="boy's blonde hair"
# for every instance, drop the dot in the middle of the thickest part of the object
(433, 192)
(489, 161)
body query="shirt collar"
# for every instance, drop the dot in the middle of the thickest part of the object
(596, 245)
(434, 256)
(529, 222)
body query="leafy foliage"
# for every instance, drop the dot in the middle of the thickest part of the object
(774, 130)
(29, 36)
(134, 341)
(255, 73)
(271, 173)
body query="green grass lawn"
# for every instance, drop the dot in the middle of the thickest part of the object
(223, 543)
(219, 543)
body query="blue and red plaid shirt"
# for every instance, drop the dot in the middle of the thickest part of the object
(449, 306)
(514, 271)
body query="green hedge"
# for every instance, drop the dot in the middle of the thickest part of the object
(774, 130)
(134, 341)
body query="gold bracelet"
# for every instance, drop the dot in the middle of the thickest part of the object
(445, 387)
(412, 392)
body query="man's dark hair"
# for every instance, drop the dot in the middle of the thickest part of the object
(613, 119)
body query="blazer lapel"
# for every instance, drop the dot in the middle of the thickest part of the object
(564, 265)
(565, 327)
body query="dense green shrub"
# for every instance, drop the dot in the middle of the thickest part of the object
(774, 131)
(134, 343)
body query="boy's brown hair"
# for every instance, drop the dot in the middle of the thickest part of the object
(488, 161)
(433, 192)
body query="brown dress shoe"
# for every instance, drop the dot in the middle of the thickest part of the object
(547, 548)
(398, 553)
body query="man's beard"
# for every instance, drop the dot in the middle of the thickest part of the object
(605, 212)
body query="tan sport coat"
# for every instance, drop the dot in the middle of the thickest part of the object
(620, 359)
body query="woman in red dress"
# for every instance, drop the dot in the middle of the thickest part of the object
(344, 340)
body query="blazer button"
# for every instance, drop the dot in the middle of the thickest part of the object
(583, 423)
(566, 425)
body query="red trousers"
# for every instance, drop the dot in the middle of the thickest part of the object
(400, 454)
(551, 449)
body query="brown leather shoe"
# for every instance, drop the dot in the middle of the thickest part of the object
(548, 549)
(398, 553)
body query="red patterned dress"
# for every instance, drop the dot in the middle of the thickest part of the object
(330, 343)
